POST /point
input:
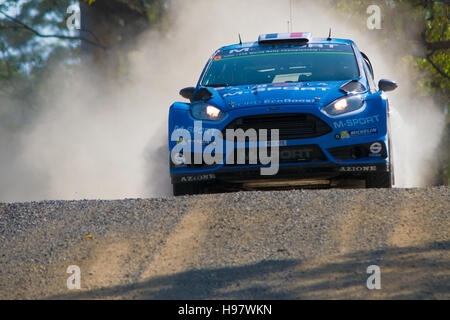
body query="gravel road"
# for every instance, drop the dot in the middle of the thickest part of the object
(302, 244)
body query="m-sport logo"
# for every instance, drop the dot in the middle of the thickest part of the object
(356, 122)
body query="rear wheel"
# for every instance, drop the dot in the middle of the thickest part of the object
(379, 180)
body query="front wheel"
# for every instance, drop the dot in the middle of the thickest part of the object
(379, 180)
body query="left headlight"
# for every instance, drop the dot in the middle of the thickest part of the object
(204, 111)
(344, 105)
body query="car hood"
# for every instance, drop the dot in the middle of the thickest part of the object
(314, 93)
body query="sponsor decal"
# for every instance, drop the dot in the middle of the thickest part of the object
(296, 154)
(203, 177)
(271, 102)
(239, 50)
(233, 94)
(254, 91)
(342, 135)
(283, 101)
(195, 130)
(363, 132)
(375, 155)
(376, 147)
(356, 133)
(356, 122)
(179, 159)
(284, 84)
(314, 89)
(358, 169)
(274, 87)
(275, 143)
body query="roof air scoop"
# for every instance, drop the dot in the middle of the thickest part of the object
(353, 87)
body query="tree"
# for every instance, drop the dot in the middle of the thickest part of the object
(116, 24)
(34, 35)
(24, 53)
(413, 23)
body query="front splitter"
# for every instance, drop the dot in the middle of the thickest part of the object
(295, 172)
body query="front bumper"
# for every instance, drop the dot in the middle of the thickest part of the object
(285, 172)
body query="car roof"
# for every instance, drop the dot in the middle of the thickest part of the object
(313, 40)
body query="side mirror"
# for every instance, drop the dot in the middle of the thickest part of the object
(187, 93)
(387, 85)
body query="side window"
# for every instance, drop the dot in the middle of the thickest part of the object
(370, 80)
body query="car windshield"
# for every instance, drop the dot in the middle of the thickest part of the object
(263, 65)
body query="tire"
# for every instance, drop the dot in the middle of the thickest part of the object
(383, 179)
(183, 189)
(379, 180)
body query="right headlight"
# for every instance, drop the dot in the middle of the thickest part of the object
(344, 105)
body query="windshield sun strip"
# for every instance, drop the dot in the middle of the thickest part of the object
(281, 53)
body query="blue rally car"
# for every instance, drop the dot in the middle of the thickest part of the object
(286, 111)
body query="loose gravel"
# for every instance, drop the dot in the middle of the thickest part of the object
(301, 244)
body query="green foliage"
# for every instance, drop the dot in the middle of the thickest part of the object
(26, 58)
(415, 25)
(20, 49)
(154, 10)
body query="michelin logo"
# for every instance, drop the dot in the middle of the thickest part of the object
(363, 132)
(356, 133)
(356, 122)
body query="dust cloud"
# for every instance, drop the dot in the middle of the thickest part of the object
(97, 139)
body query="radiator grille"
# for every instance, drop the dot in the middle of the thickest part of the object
(290, 126)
